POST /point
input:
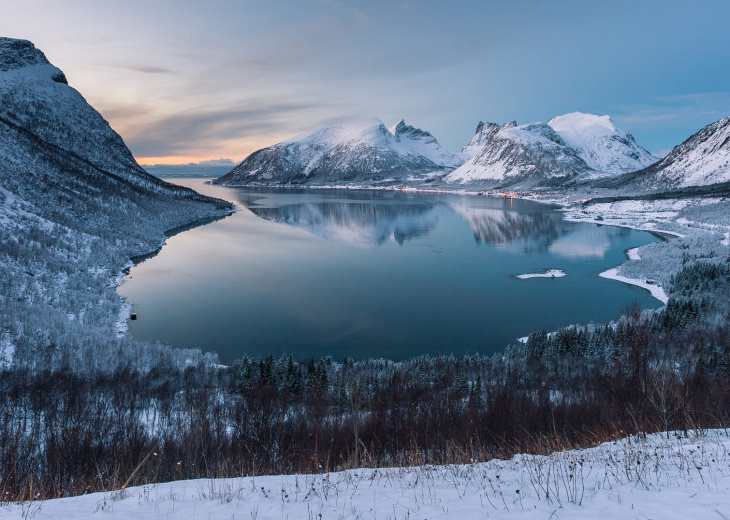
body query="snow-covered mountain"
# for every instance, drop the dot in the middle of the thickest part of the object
(527, 154)
(600, 144)
(359, 151)
(40, 108)
(74, 208)
(701, 160)
(566, 148)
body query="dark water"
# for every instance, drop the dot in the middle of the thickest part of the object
(373, 273)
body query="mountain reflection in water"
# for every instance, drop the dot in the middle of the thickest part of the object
(375, 273)
(369, 219)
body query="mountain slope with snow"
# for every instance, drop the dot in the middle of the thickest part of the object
(569, 147)
(600, 144)
(359, 151)
(484, 132)
(74, 208)
(701, 160)
(533, 153)
(38, 105)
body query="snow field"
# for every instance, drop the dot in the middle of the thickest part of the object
(668, 476)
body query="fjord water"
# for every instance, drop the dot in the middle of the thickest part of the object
(322, 272)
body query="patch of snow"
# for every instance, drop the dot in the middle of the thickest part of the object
(550, 273)
(655, 290)
(726, 241)
(7, 352)
(633, 254)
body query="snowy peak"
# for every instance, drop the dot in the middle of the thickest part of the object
(16, 55)
(529, 154)
(578, 121)
(484, 132)
(362, 131)
(404, 131)
(600, 144)
(358, 151)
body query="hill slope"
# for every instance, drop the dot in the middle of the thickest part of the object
(702, 160)
(74, 207)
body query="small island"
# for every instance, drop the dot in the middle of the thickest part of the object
(550, 273)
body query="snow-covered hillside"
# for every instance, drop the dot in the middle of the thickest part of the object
(674, 476)
(39, 108)
(568, 147)
(351, 152)
(74, 207)
(701, 160)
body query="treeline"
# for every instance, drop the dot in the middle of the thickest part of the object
(64, 432)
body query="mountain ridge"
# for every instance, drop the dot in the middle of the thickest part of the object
(703, 159)
(568, 148)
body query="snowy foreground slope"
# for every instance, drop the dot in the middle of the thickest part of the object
(673, 476)
(350, 152)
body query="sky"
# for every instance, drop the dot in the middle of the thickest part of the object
(186, 81)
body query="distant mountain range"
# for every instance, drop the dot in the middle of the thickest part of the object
(569, 147)
(213, 168)
(570, 150)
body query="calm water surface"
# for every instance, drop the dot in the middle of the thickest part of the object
(375, 273)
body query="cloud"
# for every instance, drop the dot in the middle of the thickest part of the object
(216, 162)
(208, 128)
(148, 70)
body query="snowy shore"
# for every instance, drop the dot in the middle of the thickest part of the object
(668, 476)
(656, 291)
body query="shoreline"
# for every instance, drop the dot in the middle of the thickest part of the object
(564, 206)
(117, 281)
(655, 290)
